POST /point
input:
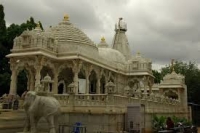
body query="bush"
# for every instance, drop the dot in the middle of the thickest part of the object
(159, 123)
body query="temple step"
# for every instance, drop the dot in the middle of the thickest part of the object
(13, 121)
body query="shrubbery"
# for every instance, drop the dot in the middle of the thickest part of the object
(159, 122)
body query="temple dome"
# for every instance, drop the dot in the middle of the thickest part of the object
(69, 37)
(67, 32)
(173, 75)
(173, 78)
(112, 55)
(103, 43)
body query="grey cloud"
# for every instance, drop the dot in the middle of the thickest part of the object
(51, 13)
(159, 29)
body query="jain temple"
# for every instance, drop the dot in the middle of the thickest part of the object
(103, 86)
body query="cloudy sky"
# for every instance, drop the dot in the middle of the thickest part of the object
(159, 29)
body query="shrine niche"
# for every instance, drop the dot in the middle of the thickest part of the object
(134, 85)
(22, 82)
(171, 94)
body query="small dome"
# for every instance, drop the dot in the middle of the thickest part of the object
(173, 75)
(71, 85)
(112, 55)
(47, 78)
(139, 58)
(110, 84)
(103, 43)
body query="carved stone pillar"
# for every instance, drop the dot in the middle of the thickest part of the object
(76, 82)
(37, 75)
(87, 83)
(28, 81)
(179, 94)
(31, 81)
(88, 69)
(13, 88)
(150, 89)
(145, 82)
(55, 83)
(98, 86)
(106, 79)
(76, 68)
(98, 83)
(145, 88)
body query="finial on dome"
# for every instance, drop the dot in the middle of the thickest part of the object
(66, 17)
(103, 43)
(103, 39)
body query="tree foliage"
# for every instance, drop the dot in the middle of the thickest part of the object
(157, 76)
(2, 24)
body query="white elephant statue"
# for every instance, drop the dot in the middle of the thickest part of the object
(37, 107)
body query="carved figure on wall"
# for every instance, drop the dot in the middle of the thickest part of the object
(37, 107)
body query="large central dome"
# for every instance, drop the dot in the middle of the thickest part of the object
(67, 32)
(71, 40)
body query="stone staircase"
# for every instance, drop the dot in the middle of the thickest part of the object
(12, 121)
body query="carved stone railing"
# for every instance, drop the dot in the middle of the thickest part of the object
(90, 99)
(156, 104)
(81, 99)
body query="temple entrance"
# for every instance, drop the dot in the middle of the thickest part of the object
(22, 82)
(60, 89)
(64, 79)
(93, 82)
(102, 85)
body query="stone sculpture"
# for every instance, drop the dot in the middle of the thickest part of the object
(37, 107)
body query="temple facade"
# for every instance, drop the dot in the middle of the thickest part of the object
(102, 79)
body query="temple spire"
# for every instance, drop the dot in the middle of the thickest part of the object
(120, 41)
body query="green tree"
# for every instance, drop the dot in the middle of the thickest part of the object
(4, 67)
(2, 24)
(41, 25)
(157, 76)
